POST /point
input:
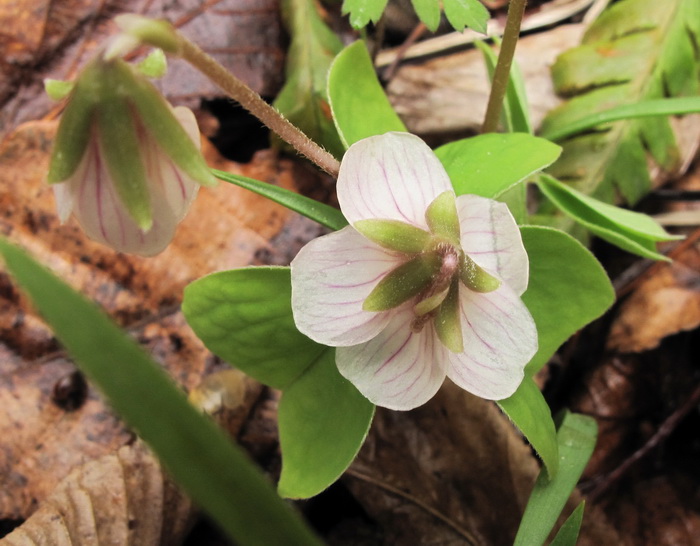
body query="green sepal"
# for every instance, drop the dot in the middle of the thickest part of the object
(394, 235)
(403, 283)
(119, 143)
(155, 65)
(74, 130)
(58, 89)
(475, 278)
(447, 320)
(442, 218)
(158, 119)
(431, 303)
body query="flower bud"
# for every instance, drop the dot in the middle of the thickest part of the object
(125, 163)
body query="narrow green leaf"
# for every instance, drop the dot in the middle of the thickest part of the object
(675, 106)
(358, 102)
(530, 412)
(568, 288)
(315, 210)
(576, 438)
(323, 422)
(304, 98)
(568, 533)
(363, 11)
(490, 164)
(631, 231)
(466, 13)
(428, 11)
(236, 313)
(212, 470)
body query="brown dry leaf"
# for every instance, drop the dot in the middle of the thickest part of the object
(452, 472)
(448, 94)
(52, 39)
(666, 303)
(457, 455)
(122, 499)
(227, 227)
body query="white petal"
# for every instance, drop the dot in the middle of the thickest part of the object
(102, 216)
(398, 369)
(499, 337)
(394, 176)
(331, 278)
(491, 237)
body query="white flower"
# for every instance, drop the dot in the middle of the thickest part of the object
(125, 163)
(420, 286)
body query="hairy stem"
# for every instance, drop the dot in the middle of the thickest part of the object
(501, 74)
(252, 102)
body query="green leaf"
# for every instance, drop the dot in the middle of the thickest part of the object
(466, 13)
(490, 164)
(576, 438)
(196, 453)
(530, 412)
(245, 317)
(323, 422)
(568, 533)
(304, 99)
(236, 313)
(360, 106)
(647, 108)
(317, 211)
(638, 50)
(428, 11)
(568, 288)
(631, 231)
(363, 11)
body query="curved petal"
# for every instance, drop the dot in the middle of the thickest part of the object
(499, 337)
(331, 278)
(394, 176)
(492, 239)
(102, 216)
(398, 369)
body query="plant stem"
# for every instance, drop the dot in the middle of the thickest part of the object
(501, 73)
(252, 102)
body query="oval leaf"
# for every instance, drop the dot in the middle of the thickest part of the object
(488, 165)
(568, 288)
(323, 422)
(360, 106)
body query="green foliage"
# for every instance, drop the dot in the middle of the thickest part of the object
(303, 99)
(638, 50)
(568, 288)
(360, 106)
(489, 165)
(631, 231)
(245, 317)
(576, 437)
(568, 533)
(529, 411)
(459, 13)
(197, 454)
(320, 212)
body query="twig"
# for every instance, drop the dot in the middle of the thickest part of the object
(469, 537)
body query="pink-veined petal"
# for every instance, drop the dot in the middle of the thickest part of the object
(499, 337)
(331, 278)
(394, 176)
(491, 237)
(398, 369)
(99, 211)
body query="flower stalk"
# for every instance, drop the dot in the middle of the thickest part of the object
(501, 73)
